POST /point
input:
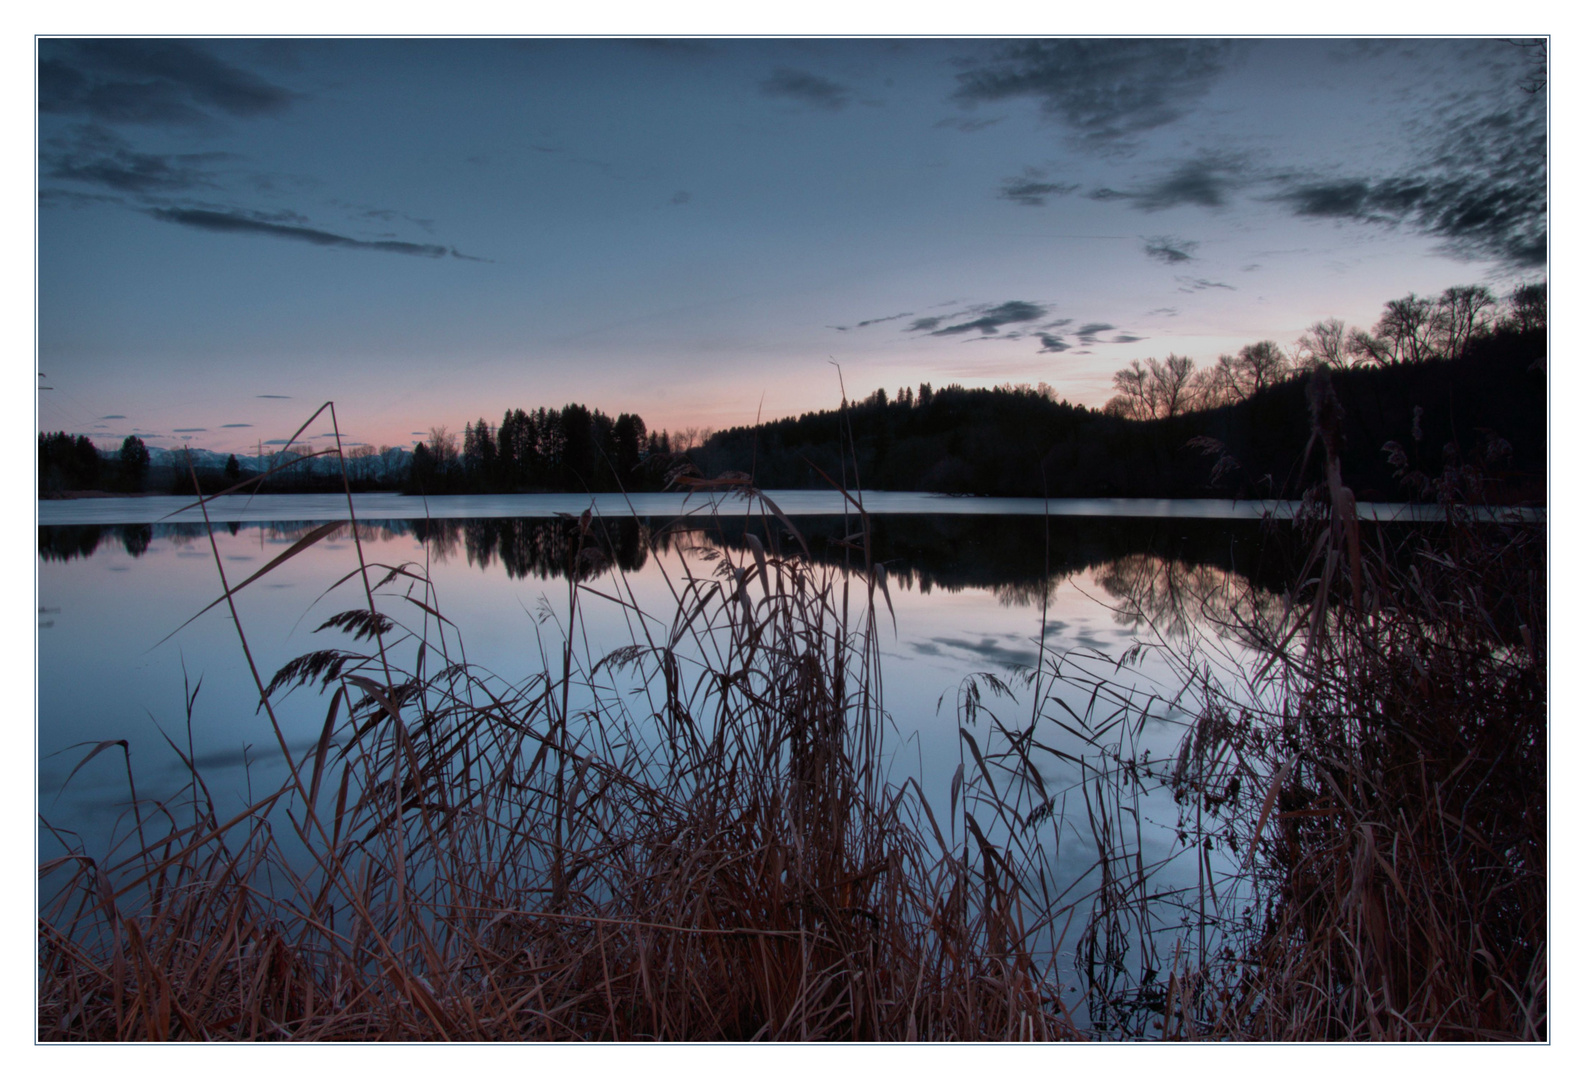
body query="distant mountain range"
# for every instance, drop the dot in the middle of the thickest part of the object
(395, 459)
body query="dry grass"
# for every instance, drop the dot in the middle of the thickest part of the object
(1365, 808)
(687, 839)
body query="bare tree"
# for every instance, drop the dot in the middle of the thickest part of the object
(1325, 342)
(1363, 349)
(1527, 307)
(1217, 385)
(1155, 389)
(1406, 332)
(1259, 367)
(443, 446)
(1132, 398)
(1462, 312)
(1171, 381)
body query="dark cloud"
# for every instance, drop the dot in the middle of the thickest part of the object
(234, 222)
(94, 155)
(1104, 91)
(1194, 284)
(276, 397)
(156, 82)
(1203, 181)
(929, 322)
(245, 425)
(1126, 339)
(1481, 189)
(1168, 312)
(188, 430)
(991, 320)
(277, 442)
(1052, 343)
(1169, 250)
(113, 416)
(884, 318)
(1032, 189)
(813, 90)
(680, 197)
(1089, 333)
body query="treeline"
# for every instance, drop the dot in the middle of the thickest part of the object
(1426, 407)
(1411, 330)
(571, 449)
(68, 463)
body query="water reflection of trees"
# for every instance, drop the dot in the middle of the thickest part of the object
(1175, 598)
(1167, 570)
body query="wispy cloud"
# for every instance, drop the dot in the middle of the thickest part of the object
(1104, 92)
(1194, 284)
(991, 320)
(1480, 188)
(873, 322)
(96, 156)
(1032, 188)
(1090, 333)
(238, 425)
(1207, 181)
(275, 397)
(1169, 250)
(813, 90)
(232, 222)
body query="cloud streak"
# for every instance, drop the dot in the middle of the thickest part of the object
(991, 320)
(1032, 189)
(231, 222)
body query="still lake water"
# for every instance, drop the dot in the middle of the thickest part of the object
(974, 584)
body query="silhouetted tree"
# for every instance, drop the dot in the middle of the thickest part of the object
(233, 470)
(134, 463)
(1259, 367)
(1325, 342)
(1462, 313)
(1527, 307)
(1154, 390)
(1405, 334)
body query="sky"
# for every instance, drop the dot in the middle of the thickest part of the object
(705, 231)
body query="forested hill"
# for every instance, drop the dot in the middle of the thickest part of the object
(1485, 413)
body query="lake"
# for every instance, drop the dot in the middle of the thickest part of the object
(978, 592)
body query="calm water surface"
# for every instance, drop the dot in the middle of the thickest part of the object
(972, 593)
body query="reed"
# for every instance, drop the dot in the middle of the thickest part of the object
(690, 838)
(1365, 806)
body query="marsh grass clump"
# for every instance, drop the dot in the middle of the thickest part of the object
(689, 838)
(1365, 804)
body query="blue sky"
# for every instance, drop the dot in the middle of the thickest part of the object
(232, 232)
